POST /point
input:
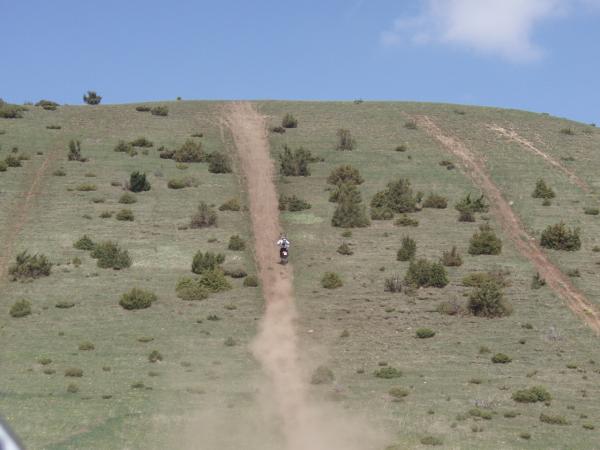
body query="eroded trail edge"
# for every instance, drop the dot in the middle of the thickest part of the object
(305, 424)
(474, 167)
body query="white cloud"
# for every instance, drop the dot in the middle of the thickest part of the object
(493, 27)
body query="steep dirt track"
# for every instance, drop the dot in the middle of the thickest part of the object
(515, 137)
(19, 217)
(474, 167)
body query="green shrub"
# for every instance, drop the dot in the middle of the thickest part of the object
(8, 111)
(591, 211)
(393, 284)
(214, 281)
(143, 108)
(3, 166)
(75, 151)
(30, 266)
(424, 333)
(295, 163)
(231, 205)
(45, 361)
(450, 308)
(110, 255)
(398, 392)
(477, 279)
(476, 412)
(532, 395)
(204, 262)
(190, 151)
(398, 196)
(487, 300)
(350, 212)
(234, 272)
(553, 420)
(190, 290)
(435, 201)
(20, 308)
(289, 121)
(106, 214)
(92, 98)
(345, 174)
(155, 356)
(568, 131)
(127, 198)
(292, 203)
(86, 346)
(251, 281)
(236, 243)
(322, 375)
(485, 242)
(159, 111)
(410, 125)
(382, 214)
(408, 250)
(388, 372)
(53, 127)
(467, 204)
(537, 281)
(331, 280)
(422, 273)
(559, 237)
(137, 299)
(277, 129)
(125, 215)
(86, 187)
(141, 142)
(501, 358)
(59, 172)
(205, 217)
(406, 221)
(181, 183)
(542, 190)
(447, 164)
(64, 304)
(218, 163)
(345, 140)
(230, 342)
(138, 182)
(84, 243)
(451, 258)
(74, 372)
(344, 249)
(431, 440)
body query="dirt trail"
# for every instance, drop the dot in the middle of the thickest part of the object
(474, 167)
(19, 217)
(514, 136)
(305, 425)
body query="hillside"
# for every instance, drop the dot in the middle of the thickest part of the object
(208, 386)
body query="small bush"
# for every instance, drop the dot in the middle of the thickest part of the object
(477, 279)
(214, 281)
(451, 258)
(204, 262)
(234, 272)
(398, 196)
(20, 308)
(435, 201)
(74, 372)
(106, 214)
(408, 249)
(143, 108)
(84, 243)
(467, 204)
(59, 173)
(485, 242)
(559, 237)
(125, 215)
(3, 166)
(331, 280)
(8, 111)
(277, 129)
(75, 151)
(160, 111)
(488, 301)
(289, 121)
(292, 203)
(568, 131)
(410, 125)
(155, 356)
(86, 346)
(322, 375)
(450, 308)
(236, 243)
(553, 420)
(501, 358)
(127, 199)
(393, 284)
(476, 412)
(29, 266)
(398, 392)
(86, 187)
(141, 142)
(401, 148)
(110, 255)
(295, 163)
(230, 342)
(64, 304)
(382, 214)
(231, 205)
(431, 440)
(218, 163)
(205, 217)
(53, 127)
(190, 290)
(345, 174)
(345, 140)
(181, 183)
(137, 299)
(542, 190)
(447, 164)
(251, 281)
(532, 395)
(406, 221)
(388, 373)
(537, 281)
(138, 182)
(422, 273)
(190, 151)
(350, 212)
(344, 249)
(424, 333)
(92, 98)
(591, 211)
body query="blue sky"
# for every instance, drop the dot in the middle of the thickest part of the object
(539, 55)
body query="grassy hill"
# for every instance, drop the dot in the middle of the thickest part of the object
(449, 387)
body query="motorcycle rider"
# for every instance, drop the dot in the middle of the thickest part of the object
(283, 244)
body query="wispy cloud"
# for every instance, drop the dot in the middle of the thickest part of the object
(493, 27)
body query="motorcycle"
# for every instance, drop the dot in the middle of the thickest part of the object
(283, 256)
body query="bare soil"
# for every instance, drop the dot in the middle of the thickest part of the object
(474, 167)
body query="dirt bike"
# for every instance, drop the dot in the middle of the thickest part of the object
(283, 255)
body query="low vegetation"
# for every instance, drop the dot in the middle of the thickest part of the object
(28, 266)
(424, 273)
(560, 237)
(137, 299)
